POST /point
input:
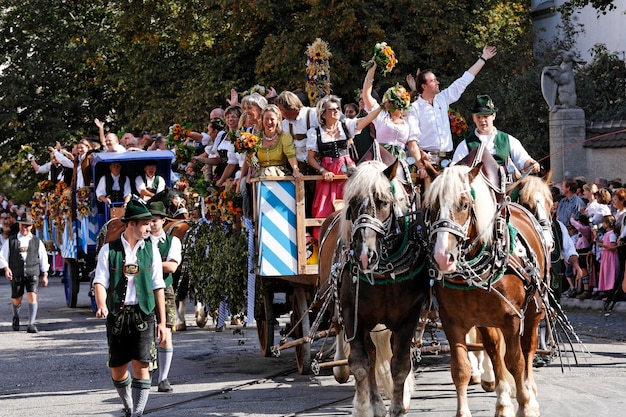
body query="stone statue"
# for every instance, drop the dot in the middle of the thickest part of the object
(557, 81)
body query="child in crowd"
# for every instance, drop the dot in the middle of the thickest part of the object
(609, 263)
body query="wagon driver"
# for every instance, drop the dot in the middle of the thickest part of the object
(129, 287)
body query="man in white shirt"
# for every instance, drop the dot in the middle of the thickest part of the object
(24, 260)
(110, 142)
(297, 120)
(129, 292)
(59, 168)
(114, 188)
(428, 116)
(148, 184)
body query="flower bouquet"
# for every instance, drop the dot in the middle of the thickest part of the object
(248, 143)
(384, 57)
(458, 125)
(399, 98)
(177, 134)
(25, 152)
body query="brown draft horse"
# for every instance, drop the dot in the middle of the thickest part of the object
(491, 262)
(380, 262)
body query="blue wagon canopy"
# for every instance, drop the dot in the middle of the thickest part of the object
(133, 164)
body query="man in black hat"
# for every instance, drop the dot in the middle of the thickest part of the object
(170, 249)
(24, 260)
(129, 286)
(502, 146)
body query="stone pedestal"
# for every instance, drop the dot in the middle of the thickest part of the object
(567, 133)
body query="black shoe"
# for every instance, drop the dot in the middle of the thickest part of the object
(164, 386)
(31, 329)
(16, 323)
(127, 412)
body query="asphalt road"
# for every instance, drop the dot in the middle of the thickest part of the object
(61, 371)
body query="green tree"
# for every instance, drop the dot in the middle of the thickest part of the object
(601, 86)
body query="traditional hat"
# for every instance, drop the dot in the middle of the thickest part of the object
(157, 208)
(483, 105)
(136, 210)
(25, 219)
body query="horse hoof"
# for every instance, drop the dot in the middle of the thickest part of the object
(181, 327)
(488, 386)
(474, 380)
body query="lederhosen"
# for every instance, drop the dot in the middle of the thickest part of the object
(130, 328)
(25, 272)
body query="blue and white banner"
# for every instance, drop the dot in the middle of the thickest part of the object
(278, 254)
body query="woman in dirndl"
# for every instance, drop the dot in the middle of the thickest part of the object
(392, 130)
(328, 147)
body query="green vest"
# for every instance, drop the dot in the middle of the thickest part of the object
(164, 250)
(501, 143)
(118, 281)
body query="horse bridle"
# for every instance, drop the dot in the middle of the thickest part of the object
(484, 263)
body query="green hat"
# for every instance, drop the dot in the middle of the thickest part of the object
(136, 210)
(483, 105)
(157, 208)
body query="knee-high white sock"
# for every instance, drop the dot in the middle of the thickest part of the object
(141, 391)
(124, 391)
(165, 361)
(32, 313)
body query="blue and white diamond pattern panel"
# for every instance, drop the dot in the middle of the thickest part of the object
(278, 254)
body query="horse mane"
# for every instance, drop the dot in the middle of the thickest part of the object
(451, 184)
(533, 189)
(369, 180)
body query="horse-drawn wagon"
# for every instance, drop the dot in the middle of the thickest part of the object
(80, 235)
(287, 278)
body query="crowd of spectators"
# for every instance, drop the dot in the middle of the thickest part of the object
(594, 213)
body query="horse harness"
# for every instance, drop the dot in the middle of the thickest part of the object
(483, 268)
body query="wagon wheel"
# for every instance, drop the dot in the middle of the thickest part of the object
(72, 282)
(301, 311)
(265, 323)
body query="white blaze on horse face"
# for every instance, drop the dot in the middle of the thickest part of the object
(443, 255)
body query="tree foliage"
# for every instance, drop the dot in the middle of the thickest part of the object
(601, 86)
(148, 64)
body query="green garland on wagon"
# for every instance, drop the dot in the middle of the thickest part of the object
(217, 257)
